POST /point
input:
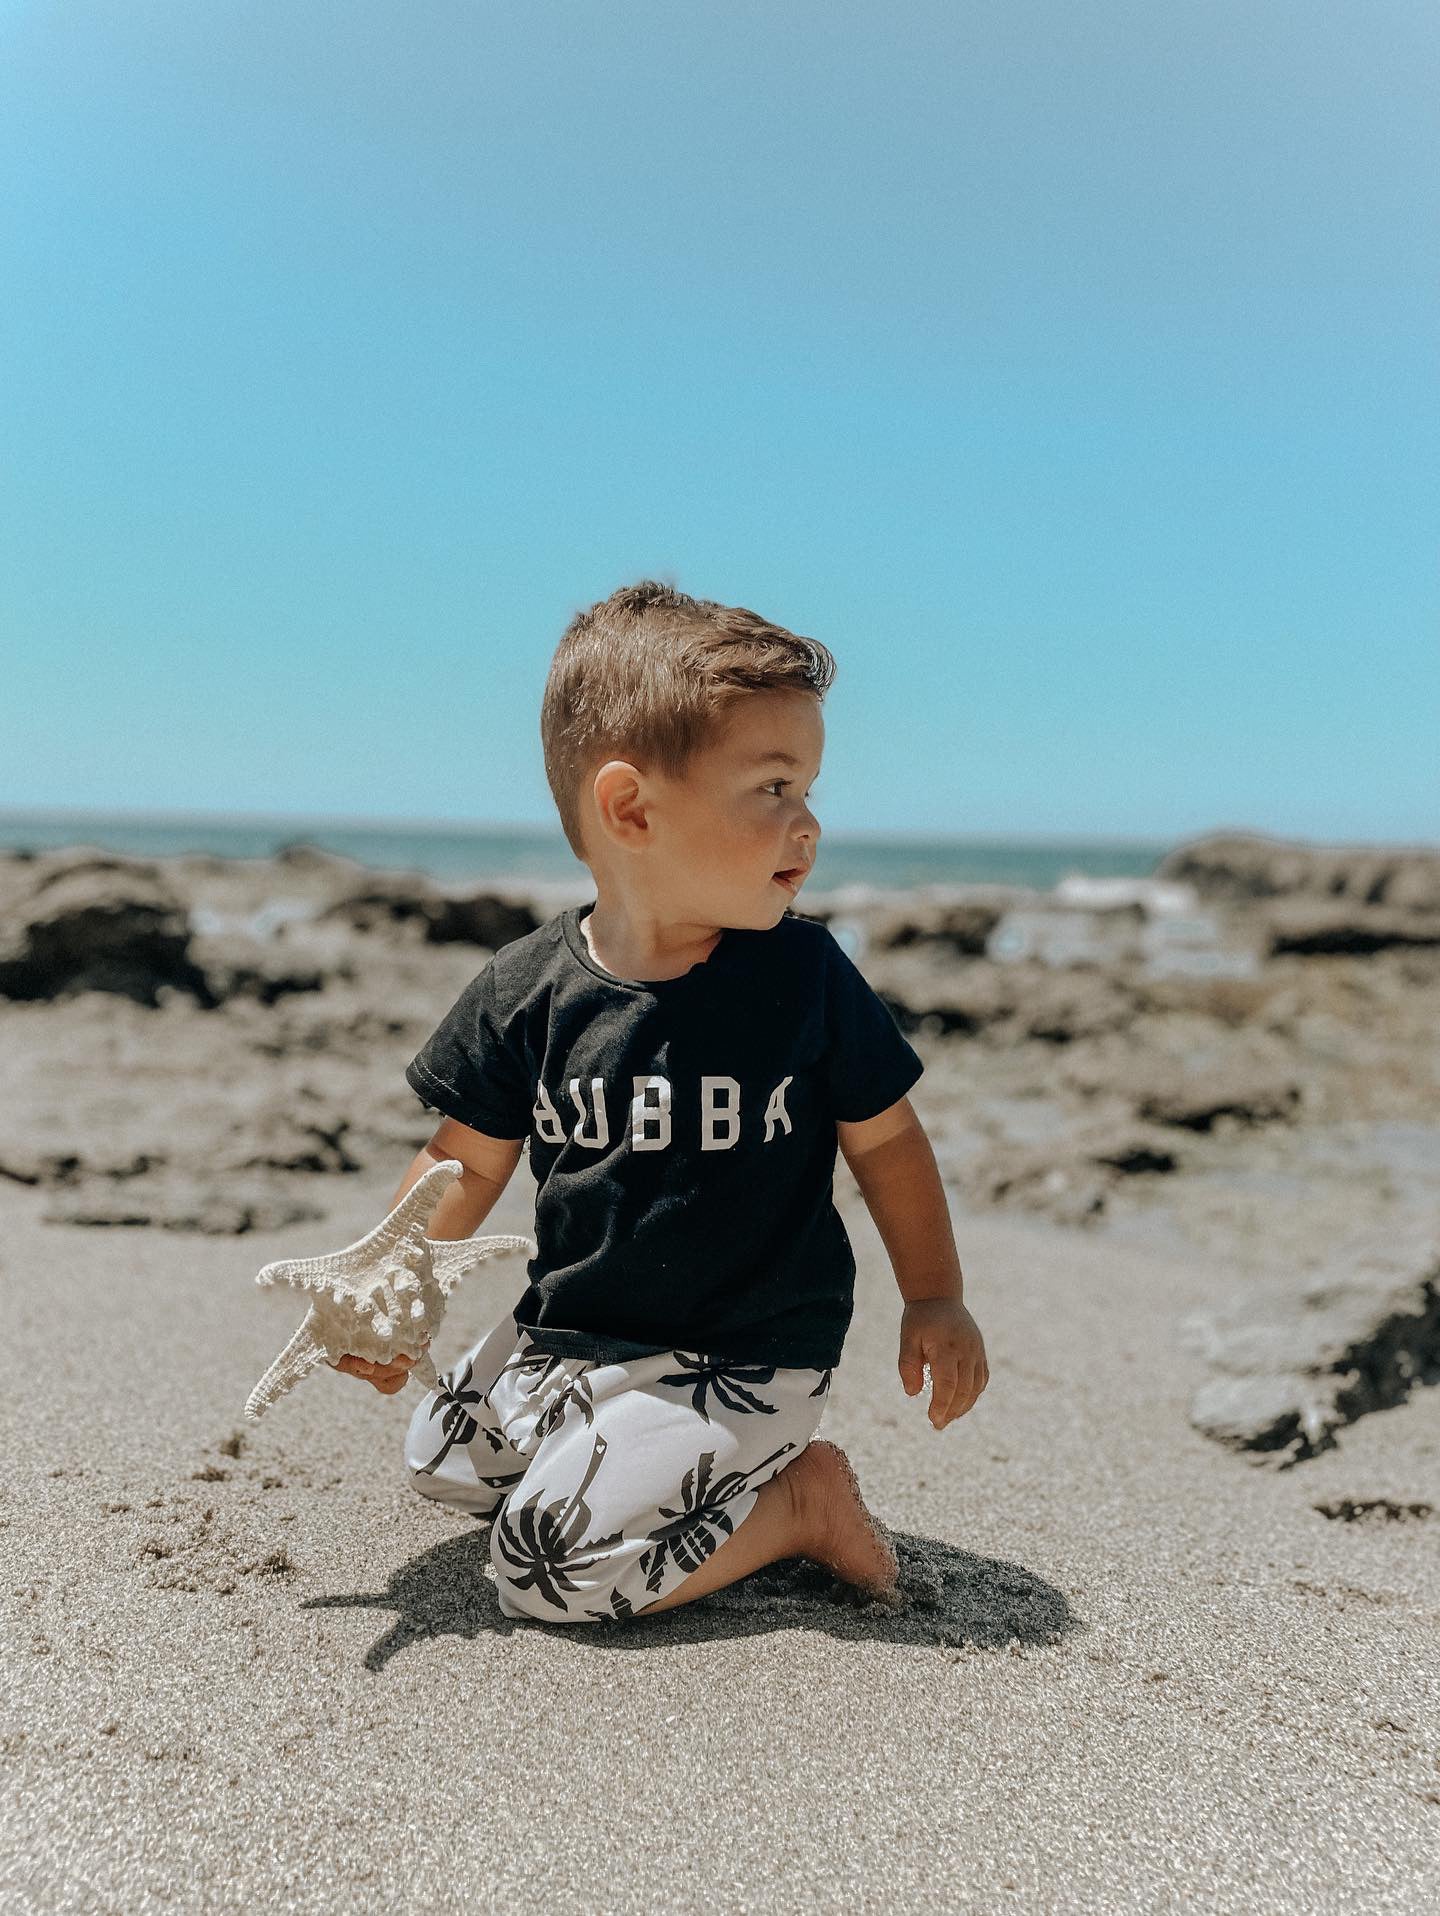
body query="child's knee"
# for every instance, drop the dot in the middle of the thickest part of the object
(441, 1470)
(516, 1585)
(547, 1591)
(423, 1438)
(459, 1492)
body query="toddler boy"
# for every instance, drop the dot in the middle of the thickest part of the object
(682, 1057)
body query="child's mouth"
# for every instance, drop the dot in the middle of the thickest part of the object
(790, 879)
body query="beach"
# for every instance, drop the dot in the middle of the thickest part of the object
(1171, 1630)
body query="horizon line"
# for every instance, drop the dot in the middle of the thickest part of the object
(457, 827)
(360, 821)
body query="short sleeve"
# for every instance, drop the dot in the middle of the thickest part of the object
(469, 1069)
(870, 1062)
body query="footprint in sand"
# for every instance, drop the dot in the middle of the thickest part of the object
(1371, 1510)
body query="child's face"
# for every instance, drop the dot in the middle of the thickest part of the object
(741, 814)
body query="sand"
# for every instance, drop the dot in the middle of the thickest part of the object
(251, 1669)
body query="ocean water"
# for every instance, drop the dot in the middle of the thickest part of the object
(459, 853)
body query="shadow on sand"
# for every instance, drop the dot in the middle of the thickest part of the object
(954, 1600)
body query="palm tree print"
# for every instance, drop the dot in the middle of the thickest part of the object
(692, 1533)
(577, 1391)
(727, 1381)
(544, 1548)
(506, 1481)
(450, 1401)
(620, 1607)
(532, 1365)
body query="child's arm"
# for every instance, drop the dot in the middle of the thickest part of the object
(899, 1179)
(488, 1166)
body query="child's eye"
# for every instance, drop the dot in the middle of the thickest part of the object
(784, 781)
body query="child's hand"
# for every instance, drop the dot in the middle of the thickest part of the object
(388, 1377)
(940, 1332)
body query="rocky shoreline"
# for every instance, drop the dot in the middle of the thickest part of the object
(1240, 1054)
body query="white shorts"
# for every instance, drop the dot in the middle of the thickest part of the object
(608, 1482)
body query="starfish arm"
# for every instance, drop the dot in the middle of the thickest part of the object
(300, 1356)
(453, 1258)
(337, 1271)
(333, 1269)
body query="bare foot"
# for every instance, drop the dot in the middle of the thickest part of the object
(839, 1531)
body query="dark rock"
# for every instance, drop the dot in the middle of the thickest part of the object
(25, 1163)
(387, 900)
(300, 858)
(1264, 1412)
(1245, 866)
(930, 993)
(1134, 1156)
(1317, 929)
(383, 900)
(961, 926)
(284, 1138)
(1195, 1103)
(1071, 1179)
(1300, 1361)
(1058, 1008)
(182, 1203)
(484, 918)
(98, 924)
(239, 967)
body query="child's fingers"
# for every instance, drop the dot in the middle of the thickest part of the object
(966, 1391)
(944, 1384)
(388, 1376)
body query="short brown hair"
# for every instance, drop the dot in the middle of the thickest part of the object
(651, 673)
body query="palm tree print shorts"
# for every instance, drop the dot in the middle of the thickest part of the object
(608, 1482)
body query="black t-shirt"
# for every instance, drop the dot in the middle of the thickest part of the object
(681, 1134)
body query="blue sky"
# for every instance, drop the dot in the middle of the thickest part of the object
(1069, 369)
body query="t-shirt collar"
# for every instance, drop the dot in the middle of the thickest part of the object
(580, 951)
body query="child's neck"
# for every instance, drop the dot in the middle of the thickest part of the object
(616, 949)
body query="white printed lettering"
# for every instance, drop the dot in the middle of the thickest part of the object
(600, 1137)
(651, 1113)
(547, 1119)
(775, 1111)
(714, 1115)
(643, 1114)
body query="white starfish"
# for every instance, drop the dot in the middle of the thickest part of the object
(380, 1297)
